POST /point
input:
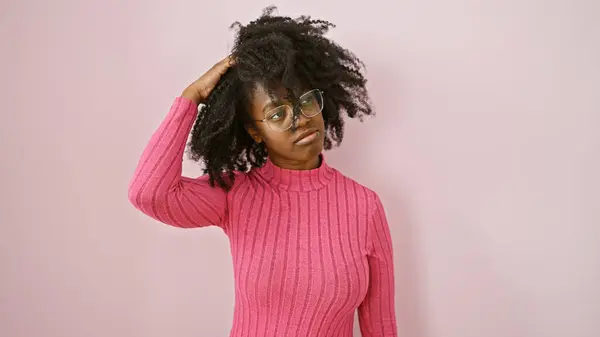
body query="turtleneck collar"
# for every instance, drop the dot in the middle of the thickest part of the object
(297, 180)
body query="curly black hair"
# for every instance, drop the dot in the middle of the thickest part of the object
(275, 51)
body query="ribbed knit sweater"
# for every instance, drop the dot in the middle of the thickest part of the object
(309, 247)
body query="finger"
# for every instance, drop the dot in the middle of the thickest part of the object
(224, 64)
(219, 65)
(217, 70)
(231, 60)
(228, 60)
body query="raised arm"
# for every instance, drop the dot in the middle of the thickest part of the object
(377, 315)
(157, 187)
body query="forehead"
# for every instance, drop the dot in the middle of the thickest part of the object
(260, 92)
(263, 98)
(260, 98)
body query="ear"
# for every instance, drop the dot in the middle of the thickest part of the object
(253, 132)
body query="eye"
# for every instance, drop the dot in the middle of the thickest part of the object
(307, 100)
(276, 115)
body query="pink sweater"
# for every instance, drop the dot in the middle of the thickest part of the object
(308, 247)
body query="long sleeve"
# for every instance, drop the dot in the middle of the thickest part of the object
(158, 189)
(377, 313)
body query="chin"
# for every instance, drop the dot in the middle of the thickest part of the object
(314, 150)
(309, 151)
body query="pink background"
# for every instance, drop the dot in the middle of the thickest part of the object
(485, 151)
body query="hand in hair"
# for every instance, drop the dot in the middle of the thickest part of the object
(202, 87)
(274, 53)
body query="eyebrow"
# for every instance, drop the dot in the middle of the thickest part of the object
(275, 102)
(272, 104)
(268, 106)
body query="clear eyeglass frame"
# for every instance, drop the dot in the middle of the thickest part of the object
(318, 94)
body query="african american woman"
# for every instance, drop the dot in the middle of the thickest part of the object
(309, 245)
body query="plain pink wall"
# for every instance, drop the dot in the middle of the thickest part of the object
(485, 151)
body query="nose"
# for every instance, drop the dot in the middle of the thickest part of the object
(299, 119)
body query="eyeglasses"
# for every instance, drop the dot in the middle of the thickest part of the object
(282, 117)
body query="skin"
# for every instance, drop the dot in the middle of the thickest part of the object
(281, 146)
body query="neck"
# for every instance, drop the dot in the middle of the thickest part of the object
(287, 164)
(306, 176)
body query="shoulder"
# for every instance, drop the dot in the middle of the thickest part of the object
(367, 206)
(238, 180)
(369, 196)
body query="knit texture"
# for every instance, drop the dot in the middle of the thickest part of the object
(309, 247)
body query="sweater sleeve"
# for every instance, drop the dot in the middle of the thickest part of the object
(157, 187)
(376, 313)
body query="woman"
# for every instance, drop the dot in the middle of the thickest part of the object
(309, 245)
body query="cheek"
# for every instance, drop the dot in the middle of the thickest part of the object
(275, 139)
(318, 120)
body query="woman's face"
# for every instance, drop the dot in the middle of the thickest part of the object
(302, 141)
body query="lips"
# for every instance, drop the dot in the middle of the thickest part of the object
(306, 134)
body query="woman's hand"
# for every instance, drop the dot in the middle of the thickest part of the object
(202, 87)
